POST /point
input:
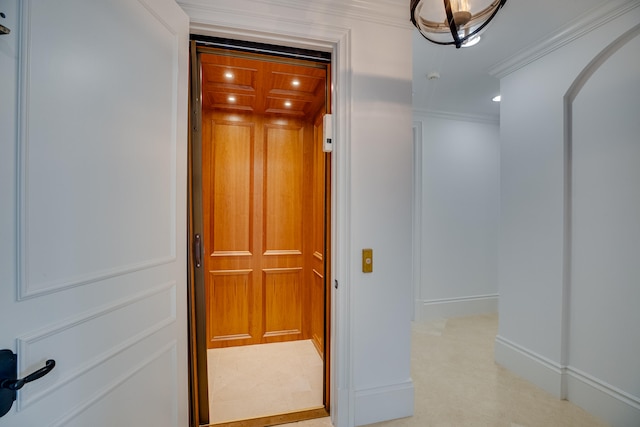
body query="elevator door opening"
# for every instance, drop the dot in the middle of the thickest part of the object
(263, 187)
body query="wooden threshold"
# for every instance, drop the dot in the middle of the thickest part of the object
(273, 420)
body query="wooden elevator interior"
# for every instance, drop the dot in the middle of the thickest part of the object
(264, 198)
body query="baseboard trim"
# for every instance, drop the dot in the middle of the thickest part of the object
(614, 406)
(383, 403)
(531, 366)
(447, 308)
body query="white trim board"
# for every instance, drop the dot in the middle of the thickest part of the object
(603, 400)
(384, 12)
(377, 404)
(417, 215)
(337, 40)
(448, 115)
(606, 402)
(537, 369)
(455, 307)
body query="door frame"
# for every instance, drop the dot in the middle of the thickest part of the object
(337, 41)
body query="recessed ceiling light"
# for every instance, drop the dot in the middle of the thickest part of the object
(496, 98)
(231, 98)
(296, 82)
(287, 104)
(228, 75)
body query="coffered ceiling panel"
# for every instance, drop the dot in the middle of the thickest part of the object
(259, 84)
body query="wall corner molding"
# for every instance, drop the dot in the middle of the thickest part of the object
(417, 216)
(575, 29)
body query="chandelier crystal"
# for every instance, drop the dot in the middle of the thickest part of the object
(453, 22)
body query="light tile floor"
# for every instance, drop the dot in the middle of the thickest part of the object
(458, 384)
(264, 379)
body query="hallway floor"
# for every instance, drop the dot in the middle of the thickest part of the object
(458, 384)
(264, 379)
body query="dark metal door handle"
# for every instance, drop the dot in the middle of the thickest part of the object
(3, 29)
(197, 249)
(17, 384)
(9, 382)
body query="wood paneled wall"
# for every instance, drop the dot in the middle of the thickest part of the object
(263, 190)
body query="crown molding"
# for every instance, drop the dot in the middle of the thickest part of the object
(387, 12)
(447, 115)
(575, 29)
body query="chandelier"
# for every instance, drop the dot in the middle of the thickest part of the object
(455, 22)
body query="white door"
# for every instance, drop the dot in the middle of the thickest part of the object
(93, 111)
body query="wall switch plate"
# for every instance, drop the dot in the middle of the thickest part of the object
(367, 260)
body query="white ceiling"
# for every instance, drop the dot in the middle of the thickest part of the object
(465, 86)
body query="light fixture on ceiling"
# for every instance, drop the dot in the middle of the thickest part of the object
(472, 41)
(453, 22)
(496, 98)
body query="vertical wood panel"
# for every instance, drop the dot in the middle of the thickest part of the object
(283, 183)
(282, 302)
(232, 186)
(317, 308)
(229, 292)
(232, 287)
(318, 191)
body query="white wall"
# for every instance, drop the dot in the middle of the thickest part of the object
(371, 43)
(459, 218)
(568, 267)
(605, 263)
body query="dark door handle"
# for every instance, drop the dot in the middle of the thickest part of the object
(17, 384)
(9, 382)
(197, 250)
(3, 29)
